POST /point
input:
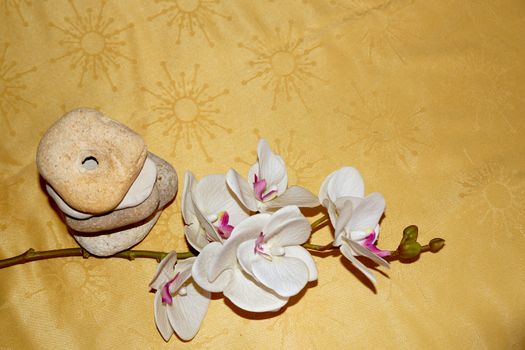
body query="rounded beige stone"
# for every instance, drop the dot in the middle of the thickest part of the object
(112, 243)
(167, 180)
(90, 160)
(139, 191)
(116, 218)
(164, 191)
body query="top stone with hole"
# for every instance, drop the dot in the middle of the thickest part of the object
(90, 160)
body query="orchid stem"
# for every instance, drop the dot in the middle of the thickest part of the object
(319, 248)
(394, 254)
(319, 221)
(32, 255)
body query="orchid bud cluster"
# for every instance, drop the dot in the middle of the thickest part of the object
(249, 234)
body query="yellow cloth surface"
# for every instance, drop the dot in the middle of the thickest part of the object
(425, 98)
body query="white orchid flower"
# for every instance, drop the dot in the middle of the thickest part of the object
(267, 186)
(354, 217)
(180, 304)
(262, 264)
(209, 210)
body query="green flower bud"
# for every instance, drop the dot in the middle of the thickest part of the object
(409, 250)
(409, 234)
(436, 244)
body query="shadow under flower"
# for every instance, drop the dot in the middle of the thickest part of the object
(359, 275)
(311, 212)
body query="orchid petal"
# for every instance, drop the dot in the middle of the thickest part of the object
(345, 214)
(226, 258)
(187, 207)
(303, 255)
(165, 291)
(252, 173)
(223, 227)
(224, 219)
(356, 201)
(285, 275)
(161, 318)
(332, 214)
(202, 264)
(181, 274)
(205, 223)
(283, 184)
(242, 189)
(287, 226)
(367, 213)
(345, 182)
(187, 311)
(347, 252)
(196, 236)
(165, 271)
(376, 231)
(214, 196)
(259, 186)
(245, 255)
(370, 241)
(294, 195)
(249, 295)
(271, 168)
(183, 270)
(359, 249)
(379, 252)
(323, 191)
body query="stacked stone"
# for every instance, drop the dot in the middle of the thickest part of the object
(108, 187)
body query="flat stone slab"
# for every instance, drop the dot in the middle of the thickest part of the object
(117, 218)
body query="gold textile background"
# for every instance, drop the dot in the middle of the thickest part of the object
(425, 98)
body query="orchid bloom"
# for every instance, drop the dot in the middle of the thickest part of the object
(354, 217)
(262, 264)
(180, 304)
(266, 188)
(209, 210)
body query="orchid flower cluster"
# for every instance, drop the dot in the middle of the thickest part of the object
(249, 234)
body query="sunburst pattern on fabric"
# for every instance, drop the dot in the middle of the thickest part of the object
(386, 128)
(378, 25)
(93, 43)
(497, 196)
(283, 64)
(88, 283)
(486, 90)
(11, 88)
(190, 16)
(17, 7)
(186, 109)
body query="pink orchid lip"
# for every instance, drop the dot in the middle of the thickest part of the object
(259, 186)
(369, 244)
(165, 292)
(224, 228)
(259, 249)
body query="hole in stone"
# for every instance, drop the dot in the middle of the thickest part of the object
(90, 163)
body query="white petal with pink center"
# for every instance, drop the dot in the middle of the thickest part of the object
(262, 264)
(180, 305)
(267, 187)
(354, 217)
(209, 210)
